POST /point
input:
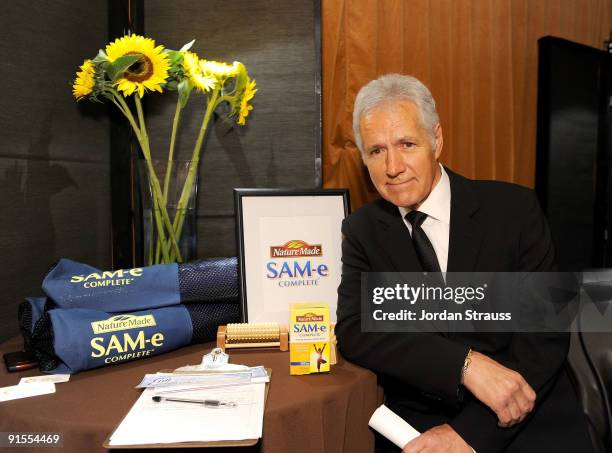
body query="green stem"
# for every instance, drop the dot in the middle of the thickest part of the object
(119, 107)
(127, 112)
(158, 208)
(177, 115)
(226, 98)
(193, 169)
(125, 109)
(169, 164)
(161, 236)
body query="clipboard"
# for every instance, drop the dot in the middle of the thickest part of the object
(205, 444)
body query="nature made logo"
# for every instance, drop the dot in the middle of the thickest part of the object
(296, 263)
(122, 322)
(309, 317)
(295, 248)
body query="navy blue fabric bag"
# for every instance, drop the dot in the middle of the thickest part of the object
(94, 318)
(76, 285)
(76, 339)
(29, 312)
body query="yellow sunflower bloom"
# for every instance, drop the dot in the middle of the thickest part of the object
(191, 65)
(148, 73)
(84, 82)
(245, 107)
(219, 70)
(204, 83)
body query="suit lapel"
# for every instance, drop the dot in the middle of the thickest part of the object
(465, 232)
(394, 239)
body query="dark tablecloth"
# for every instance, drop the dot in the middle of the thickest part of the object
(311, 414)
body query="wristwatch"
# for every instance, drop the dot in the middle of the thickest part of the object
(466, 364)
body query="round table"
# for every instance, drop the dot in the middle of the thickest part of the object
(310, 414)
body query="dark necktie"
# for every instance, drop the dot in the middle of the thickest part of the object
(422, 245)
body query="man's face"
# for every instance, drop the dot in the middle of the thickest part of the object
(399, 154)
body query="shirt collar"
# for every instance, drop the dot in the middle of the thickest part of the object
(437, 204)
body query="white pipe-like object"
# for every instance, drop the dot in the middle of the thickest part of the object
(392, 426)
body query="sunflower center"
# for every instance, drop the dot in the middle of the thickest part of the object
(140, 70)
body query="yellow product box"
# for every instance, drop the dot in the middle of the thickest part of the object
(308, 338)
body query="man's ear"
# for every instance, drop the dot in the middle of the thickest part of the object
(439, 141)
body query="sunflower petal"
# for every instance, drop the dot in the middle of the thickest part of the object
(187, 46)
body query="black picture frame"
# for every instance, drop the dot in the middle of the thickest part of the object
(289, 196)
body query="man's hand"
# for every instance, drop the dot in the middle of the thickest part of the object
(502, 389)
(439, 439)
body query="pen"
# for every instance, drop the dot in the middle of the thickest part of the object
(206, 403)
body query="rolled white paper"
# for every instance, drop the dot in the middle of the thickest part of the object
(392, 426)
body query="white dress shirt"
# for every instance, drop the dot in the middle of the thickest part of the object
(437, 224)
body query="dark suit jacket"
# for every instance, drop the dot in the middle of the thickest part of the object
(494, 226)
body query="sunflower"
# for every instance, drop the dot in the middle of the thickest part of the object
(149, 72)
(191, 65)
(204, 83)
(84, 82)
(219, 70)
(245, 107)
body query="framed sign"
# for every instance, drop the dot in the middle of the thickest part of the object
(289, 249)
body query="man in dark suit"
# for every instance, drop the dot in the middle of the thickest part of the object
(463, 391)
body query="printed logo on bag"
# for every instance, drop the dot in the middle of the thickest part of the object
(295, 248)
(119, 277)
(124, 345)
(122, 322)
(119, 349)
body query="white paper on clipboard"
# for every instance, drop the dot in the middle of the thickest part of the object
(150, 422)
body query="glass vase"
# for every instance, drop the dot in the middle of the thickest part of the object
(173, 188)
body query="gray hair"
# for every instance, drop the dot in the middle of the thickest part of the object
(395, 87)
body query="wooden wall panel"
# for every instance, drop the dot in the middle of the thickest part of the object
(478, 57)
